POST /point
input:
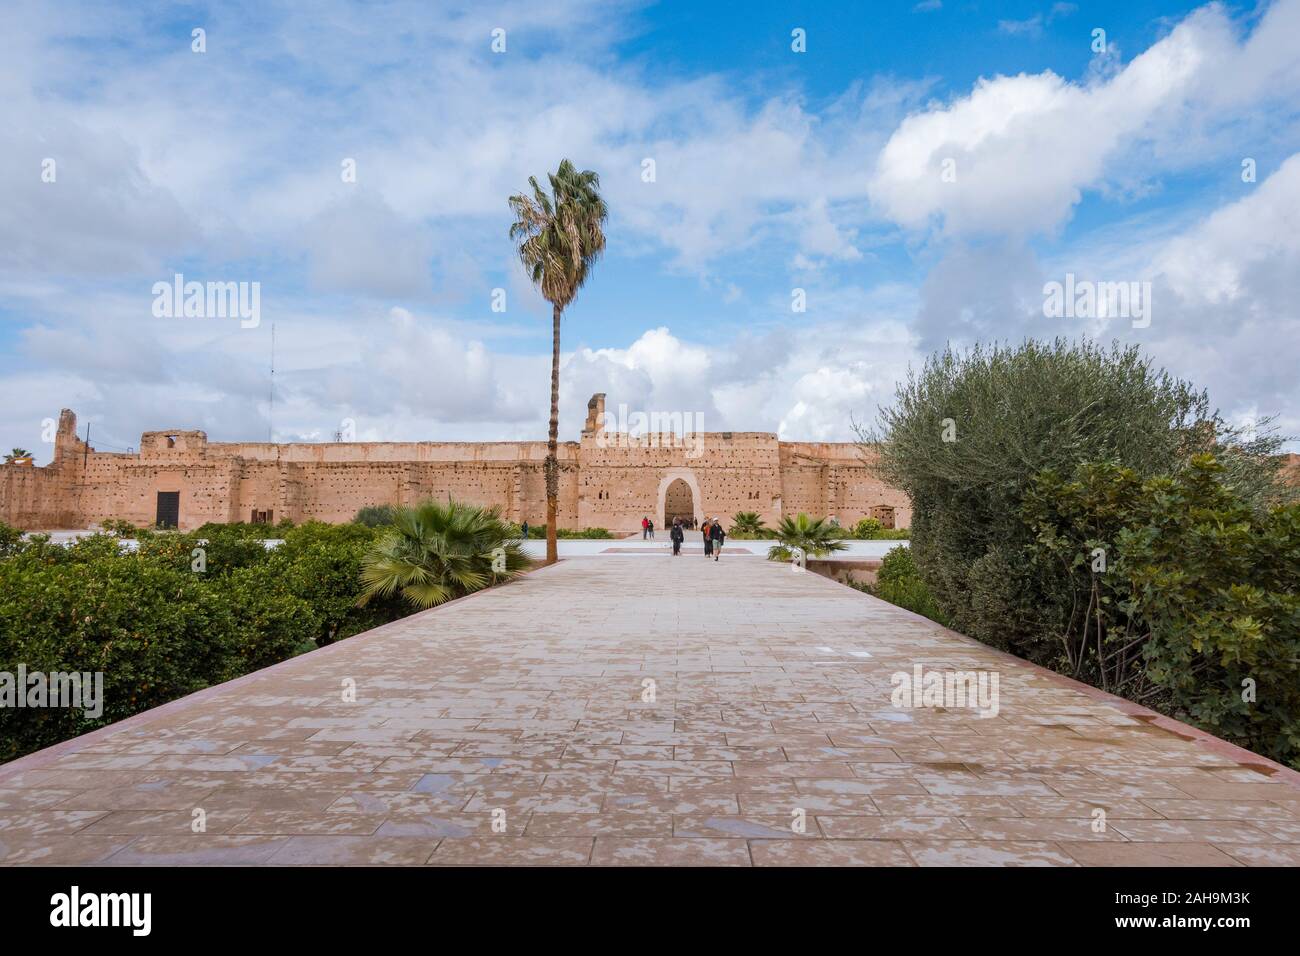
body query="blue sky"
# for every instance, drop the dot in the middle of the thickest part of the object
(775, 171)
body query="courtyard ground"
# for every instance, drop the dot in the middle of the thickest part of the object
(637, 709)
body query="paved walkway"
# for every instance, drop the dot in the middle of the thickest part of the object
(510, 728)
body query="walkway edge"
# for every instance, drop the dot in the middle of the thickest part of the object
(39, 758)
(1202, 738)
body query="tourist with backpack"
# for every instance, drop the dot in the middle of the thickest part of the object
(678, 536)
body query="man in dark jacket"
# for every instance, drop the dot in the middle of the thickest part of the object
(678, 536)
(717, 536)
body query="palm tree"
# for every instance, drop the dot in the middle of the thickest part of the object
(435, 552)
(813, 537)
(747, 524)
(560, 236)
(17, 454)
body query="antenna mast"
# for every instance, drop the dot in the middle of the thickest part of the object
(270, 424)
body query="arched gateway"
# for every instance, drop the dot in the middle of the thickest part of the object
(679, 496)
(678, 503)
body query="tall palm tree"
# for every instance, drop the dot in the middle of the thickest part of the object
(813, 537)
(435, 552)
(560, 236)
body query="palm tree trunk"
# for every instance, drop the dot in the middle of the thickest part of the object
(552, 458)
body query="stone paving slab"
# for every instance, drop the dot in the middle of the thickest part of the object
(615, 711)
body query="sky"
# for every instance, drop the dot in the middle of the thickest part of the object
(805, 200)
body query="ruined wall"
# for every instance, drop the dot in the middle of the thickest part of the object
(606, 480)
(832, 478)
(34, 498)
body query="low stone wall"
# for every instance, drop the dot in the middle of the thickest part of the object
(846, 570)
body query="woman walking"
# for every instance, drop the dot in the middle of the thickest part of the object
(708, 542)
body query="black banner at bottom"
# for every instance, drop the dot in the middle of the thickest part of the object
(335, 905)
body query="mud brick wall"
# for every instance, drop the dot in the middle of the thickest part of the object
(606, 480)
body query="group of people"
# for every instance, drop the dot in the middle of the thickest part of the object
(714, 536)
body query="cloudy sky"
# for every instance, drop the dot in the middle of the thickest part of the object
(919, 171)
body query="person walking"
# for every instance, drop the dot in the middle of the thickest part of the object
(678, 536)
(645, 528)
(652, 529)
(525, 530)
(717, 536)
(708, 542)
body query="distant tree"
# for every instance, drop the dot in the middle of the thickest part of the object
(374, 516)
(16, 454)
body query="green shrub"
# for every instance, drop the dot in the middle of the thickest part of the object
(270, 622)
(538, 532)
(244, 530)
(10, 539)
(156, 633)
(158, 630)
(580, 533)
(899, 582)
(375, 516)
(1179, 592)
(321, 564)
(867, 529)
(968, 434)
(870, 529)
(218, 549)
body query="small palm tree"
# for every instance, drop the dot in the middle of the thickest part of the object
(747, 524)
(435, 552)
(560, 236)
(17, 454)
(813, 537)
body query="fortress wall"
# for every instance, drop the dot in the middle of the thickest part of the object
(117, 486)
(314, 453)
(824, 478)
(624, 479)
(33, 497)
(607, 480)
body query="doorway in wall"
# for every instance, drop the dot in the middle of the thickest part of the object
(168, 509)
(678, 503)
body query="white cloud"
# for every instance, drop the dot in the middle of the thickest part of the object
(1026, 147)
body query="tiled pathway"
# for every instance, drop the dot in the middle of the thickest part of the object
(510, 728)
